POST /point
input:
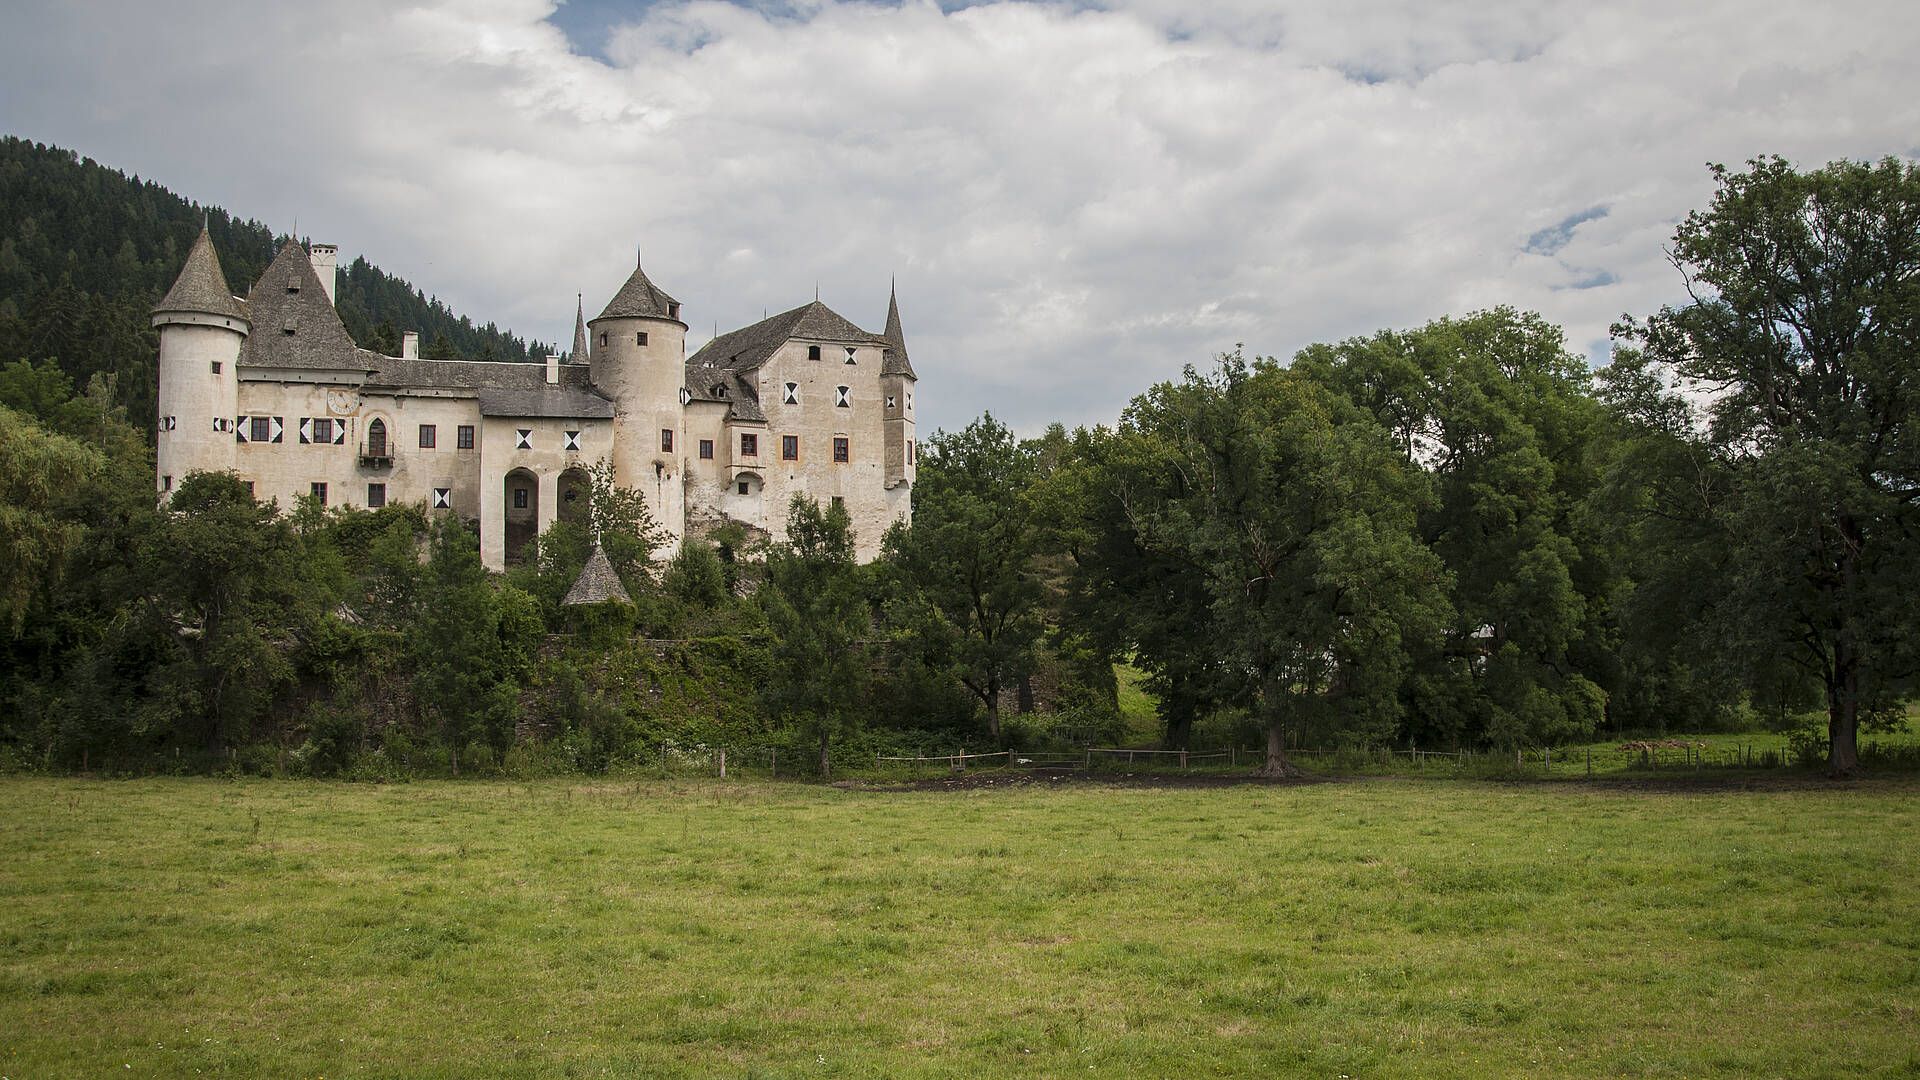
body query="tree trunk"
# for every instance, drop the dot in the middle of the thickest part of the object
(993, 713)
(1277, 764)
(826, 766)
(1843, 716)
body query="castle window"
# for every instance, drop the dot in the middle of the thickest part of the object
(323, 431)
(570, 440)
(843, 397)
(640, 338)
(909, 399)
(673, 310)
(890, 401)
(318, 490)
(706, 448)
(443, 498)
(909, 451)
(216, 367)
(376, 496)
(791, 395)
(744, 489)
(463, 437)
(166, 484)
(429, 436)
(749, 446)
(261, 429)
(519, 498)
(840, 448)
(523, 438)
(603, 339)
(789, 448)
(813, 352)
(248, 483)
(666, 440)
(376, 440)
(839, 503)
(849, 354)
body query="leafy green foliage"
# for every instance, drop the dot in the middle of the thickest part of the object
(817, 612)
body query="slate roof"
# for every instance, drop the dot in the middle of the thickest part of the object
(294, 325)
(201, 288)
(641, 299)
(706, 383)
(558, 402)
(580, 351)
(894, 360)
(749, 347)
(597, 582)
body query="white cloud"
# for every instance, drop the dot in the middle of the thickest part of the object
(1076, 201)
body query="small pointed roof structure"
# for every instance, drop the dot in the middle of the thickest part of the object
(640, 298)
(295, 324)
(895, 362)
(580, 352)
(597, 583)
(201, 289)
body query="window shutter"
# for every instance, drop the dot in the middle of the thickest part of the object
(843, 396)
(339, 433)
(442, 498)
(523, 438)
(572, 441)
(239, 429)
(277, 428)
(306, 426)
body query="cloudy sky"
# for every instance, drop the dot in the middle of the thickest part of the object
(1076, 199)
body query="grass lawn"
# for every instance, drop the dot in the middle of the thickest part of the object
(1375, 928)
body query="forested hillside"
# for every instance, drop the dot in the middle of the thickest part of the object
(86, 250)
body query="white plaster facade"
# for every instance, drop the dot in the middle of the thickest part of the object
(271, 388)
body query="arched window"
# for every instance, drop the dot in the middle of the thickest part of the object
(377, 439)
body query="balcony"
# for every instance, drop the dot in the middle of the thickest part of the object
(374, 455)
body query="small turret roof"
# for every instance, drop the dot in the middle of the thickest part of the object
(597, 582)
(640, 298)
(895, 360)
(201, 287)
(580, 351)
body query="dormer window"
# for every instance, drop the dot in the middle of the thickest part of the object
(673, 311)
(790, 395)
(850, 354)
(293, 281)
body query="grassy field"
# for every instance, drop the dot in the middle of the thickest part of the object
(1376, 928)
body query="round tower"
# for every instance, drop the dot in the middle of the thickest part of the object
(637, 350)
(201, 329)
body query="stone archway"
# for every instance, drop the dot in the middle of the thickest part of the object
(523, 513)
(576, 491)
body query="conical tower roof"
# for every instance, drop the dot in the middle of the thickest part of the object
(597, 582)
(640, 298)
(201, 288)
(896, 359)
(580, 352)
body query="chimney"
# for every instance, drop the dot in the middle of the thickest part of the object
(324, 256)
(553, 368)
(410, 345)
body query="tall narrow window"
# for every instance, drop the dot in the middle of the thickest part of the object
(909, 451)
(813, 352)
(427, 436)
(789, 448)
(376, 496)
(666, 440)
(463, 437)
(376, 443)
(840, 448)
(749, 446)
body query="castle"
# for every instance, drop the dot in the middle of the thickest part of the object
(271, 388)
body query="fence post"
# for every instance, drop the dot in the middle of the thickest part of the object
(723, 763)
(776, 763)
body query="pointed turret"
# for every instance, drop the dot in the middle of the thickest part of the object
(580, 350)
(896, 359)
(201, 289)
(597, 583)
(640, 298)
(638, 359)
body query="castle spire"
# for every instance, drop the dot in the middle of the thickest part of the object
(580, 329)
(896, 359)
(201, 289)
(640, 298)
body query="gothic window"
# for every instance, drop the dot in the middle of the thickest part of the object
(429, 436)
(523, 438)
(706, 448)
(849, 354)
(840, 448)
(843, 397)
(463, 437)
(749, 446)
(790, 395)
(376, 496)
(443, 498)
(376, 444)
(318, 490)
(813, 352)
(570, 440)
(789, 448)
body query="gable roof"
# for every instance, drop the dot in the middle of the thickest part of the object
(294, 324)
(201, 288)
(597, 582)
(747, 348)
(640, 299)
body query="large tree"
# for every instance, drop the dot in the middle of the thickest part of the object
(964, 569)
(1804, 331)
(818, 614)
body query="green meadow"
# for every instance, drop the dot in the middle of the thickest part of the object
(1385, 927)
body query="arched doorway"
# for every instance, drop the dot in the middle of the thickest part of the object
(523, 513)
(576, 491)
